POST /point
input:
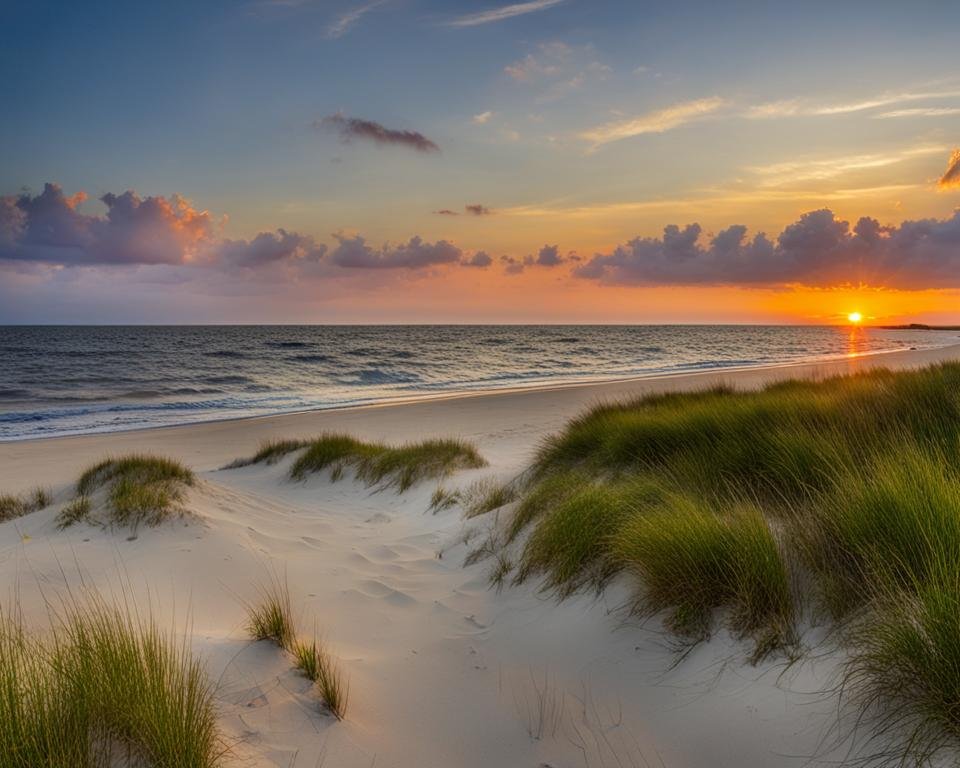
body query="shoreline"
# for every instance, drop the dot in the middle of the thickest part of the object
(474, 415)
(412, 399)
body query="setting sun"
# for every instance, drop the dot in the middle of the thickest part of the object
(855, 317)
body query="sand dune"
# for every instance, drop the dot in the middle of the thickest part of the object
(444, 671)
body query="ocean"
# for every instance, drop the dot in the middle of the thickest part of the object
(76, 380)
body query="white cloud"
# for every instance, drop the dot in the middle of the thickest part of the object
(482, 118)
(820, 168)
(502, 13)
(919, 112)
(658, 121)
(791, 107)
(343, 23)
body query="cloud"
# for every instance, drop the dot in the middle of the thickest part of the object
(50, 228)
(820, 168)
(351, 128)
(919, 112)
(343, 23)
(513, 265)
(471, 209)
(480, 259)
(354, 253)
(549, 256)
(502, 13)
(817, 250)
(271, 247)
(653, 122)
(951, 177)
(565, 69)
(792, 107)
(482, 118)
(548, 62)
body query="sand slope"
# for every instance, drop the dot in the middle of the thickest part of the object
(444, 671)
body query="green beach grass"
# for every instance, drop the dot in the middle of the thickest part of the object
(835, 500)
(138, 488)
(103, 688)
(372, 463)
(271, 618)
(12, 507)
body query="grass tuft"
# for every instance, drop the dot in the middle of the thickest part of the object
(319, 665)
(139, 489)
(906, 672)
(378, 464)
(271, 618)
(487, 495)
(12, 507)
(270, 452)
(442, 499)
(76, 511)
(373, 463)
(103, 688)
(693, 561)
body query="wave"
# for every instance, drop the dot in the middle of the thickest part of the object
(227, 380)
(380, 376)
(231, 354)
(14, 394)
(288, 344)
(311, 358)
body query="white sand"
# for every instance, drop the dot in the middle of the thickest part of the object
(444, 671)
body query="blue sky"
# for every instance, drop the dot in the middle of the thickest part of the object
(581, 124)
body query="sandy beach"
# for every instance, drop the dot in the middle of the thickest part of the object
(444, 671)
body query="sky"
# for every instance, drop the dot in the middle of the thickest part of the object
(479, 161)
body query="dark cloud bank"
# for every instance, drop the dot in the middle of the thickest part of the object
(817, 250)
(351, 128)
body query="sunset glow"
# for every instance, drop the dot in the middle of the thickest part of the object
(573, 173)
(855, 318)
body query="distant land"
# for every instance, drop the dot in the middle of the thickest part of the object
(919, 327)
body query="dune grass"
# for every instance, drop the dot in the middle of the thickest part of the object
(319, 665)
(373, 463)
(442, 499)
(270, 452)
(719, 504)
(271, 618)
(378, 464)
(103, 688)
(487, 495)
(905, 674)
(693, 561)
(139, 488)
(12, 507)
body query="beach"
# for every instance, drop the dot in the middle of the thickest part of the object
(443, 669)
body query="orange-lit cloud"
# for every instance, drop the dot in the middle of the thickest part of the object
(819, 249)
(951, 178)
(822, 168)
(653, 122)
(48, 227)
(801, 107)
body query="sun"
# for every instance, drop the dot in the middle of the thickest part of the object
(855, 317)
